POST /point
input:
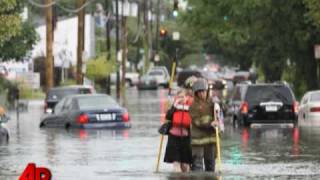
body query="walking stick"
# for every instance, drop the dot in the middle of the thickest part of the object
(217, 143)
(159, 153)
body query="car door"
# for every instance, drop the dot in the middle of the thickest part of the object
(54, 120)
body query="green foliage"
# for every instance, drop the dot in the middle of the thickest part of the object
(99, 67)
(264, 32)
(314, 11)
(19, 45)
(28, 93)
(68, 82)
(9, 20)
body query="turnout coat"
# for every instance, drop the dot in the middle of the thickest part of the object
(201, 112)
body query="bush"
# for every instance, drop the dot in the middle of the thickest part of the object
(28, 93)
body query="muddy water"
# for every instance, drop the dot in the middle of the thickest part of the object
(270, 153)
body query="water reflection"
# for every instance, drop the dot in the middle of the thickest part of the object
(270, 140)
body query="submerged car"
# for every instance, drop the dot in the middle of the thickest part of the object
(161, 74)
(55, 94)
(264, 103)
(87, 111)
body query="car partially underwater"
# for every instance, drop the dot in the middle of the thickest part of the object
(87, 111)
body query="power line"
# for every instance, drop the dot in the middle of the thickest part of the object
(42, 5)
(60, 6)
(75, 10)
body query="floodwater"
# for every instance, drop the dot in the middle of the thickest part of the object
(259, 153)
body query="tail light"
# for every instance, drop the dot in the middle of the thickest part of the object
(315, 109)
(244, 107)
(125, 117)
(83, 119)
(295, 107)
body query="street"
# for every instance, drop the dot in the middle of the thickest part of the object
(256, 153)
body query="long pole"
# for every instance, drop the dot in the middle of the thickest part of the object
(117, 49)
(146, 44)
(159, 153)
(49, 41)
(157, 26)
(108, 88)
(80, 48)
(124, 54)
(217, 142)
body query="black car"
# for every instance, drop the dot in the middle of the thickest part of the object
(263, 103)
(87, 111)
(55, 94)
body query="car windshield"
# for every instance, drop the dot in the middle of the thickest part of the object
(96, 102)
(57, 94)
(315, 97)
(258, 94)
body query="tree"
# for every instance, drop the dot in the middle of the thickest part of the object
(10, 22)
(19, 45)
(269, 33)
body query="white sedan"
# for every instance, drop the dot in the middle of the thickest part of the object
(309, 111)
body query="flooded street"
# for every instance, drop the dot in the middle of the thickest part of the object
(270, 153)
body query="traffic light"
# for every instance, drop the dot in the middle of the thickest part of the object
(175, 5)
(175, 8)
(163, 32)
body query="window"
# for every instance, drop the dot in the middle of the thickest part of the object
(315, 97)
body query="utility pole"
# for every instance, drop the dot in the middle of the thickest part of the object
(80, 48)
(117, 49)
(146, 36)
(49, 51)
(108, 88)
(124, 51)
(157, 28)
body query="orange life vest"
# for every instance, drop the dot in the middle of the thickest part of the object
(181, 116)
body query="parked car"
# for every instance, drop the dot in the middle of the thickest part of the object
(309, 110)
(263, 103)
(161, 74)
(55, 94)
(87, 111)
(132, 78)
(147, 82)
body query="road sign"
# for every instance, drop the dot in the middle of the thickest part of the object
(176, 36)
(317, 51)
(156, 58)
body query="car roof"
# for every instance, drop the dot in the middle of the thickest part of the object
(70, 87)
(87, 95)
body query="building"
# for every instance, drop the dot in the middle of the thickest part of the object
(66, 40)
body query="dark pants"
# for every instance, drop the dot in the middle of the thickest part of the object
(204, 153)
